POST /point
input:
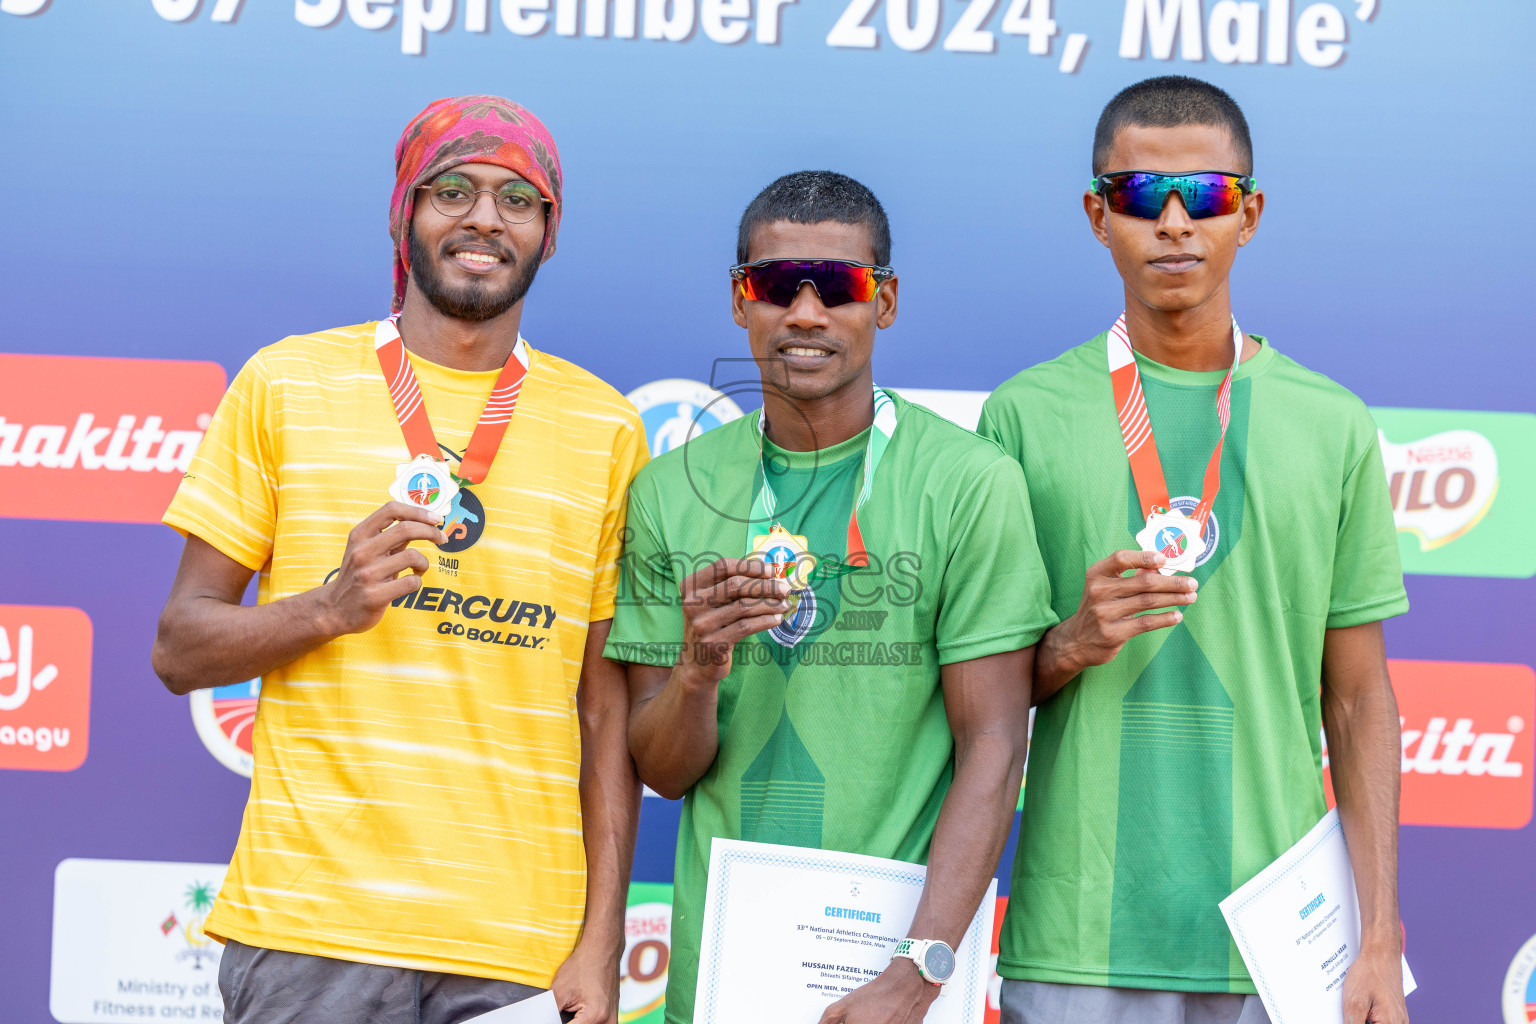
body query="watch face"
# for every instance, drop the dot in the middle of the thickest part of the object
(939, 962)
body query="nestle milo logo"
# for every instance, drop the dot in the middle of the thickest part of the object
(1442, 485)
(1458, 482)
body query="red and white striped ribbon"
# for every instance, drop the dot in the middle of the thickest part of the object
(1136, 426)
(411, 408)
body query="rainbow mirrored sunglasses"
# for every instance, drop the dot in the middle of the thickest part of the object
(1204, 193)
(835, 281)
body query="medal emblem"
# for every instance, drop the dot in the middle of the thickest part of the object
(798, 621)
(427, 483)
(788, 555)
(1176, 537)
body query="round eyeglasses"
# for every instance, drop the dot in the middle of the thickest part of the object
(454, 195)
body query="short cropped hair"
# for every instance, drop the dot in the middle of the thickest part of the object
(1170, 101)
(814, 197)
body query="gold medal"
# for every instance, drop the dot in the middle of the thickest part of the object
(789, 556)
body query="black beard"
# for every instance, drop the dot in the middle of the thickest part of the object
(473, 302)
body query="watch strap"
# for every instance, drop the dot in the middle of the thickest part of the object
(916, 950)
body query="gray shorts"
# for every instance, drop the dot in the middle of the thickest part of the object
(267, 986)
(1039, 1002)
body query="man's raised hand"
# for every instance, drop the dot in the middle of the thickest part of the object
(723, 603)
(373, 564)
(1110, 612)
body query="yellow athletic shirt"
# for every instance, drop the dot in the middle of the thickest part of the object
(415, 794)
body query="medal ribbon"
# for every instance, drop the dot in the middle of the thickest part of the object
(765, 503)
(411, 409)
(1136, 427)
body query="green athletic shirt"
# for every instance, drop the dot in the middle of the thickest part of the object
(840, 742)
(1162, 781)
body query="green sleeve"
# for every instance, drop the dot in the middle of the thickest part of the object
(647, 613)
(1367, 571)
(995, 595)
(996, 424)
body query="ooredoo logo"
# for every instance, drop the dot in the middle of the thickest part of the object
(1467, 743)
(45, 687)
(99, 439)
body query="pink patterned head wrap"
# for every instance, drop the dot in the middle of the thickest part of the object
(470, 130)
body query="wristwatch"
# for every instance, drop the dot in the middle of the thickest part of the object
(935, 960)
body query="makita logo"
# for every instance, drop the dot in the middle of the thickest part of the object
(99, 439)
(1434, 750)
(1461, 750)
(1467, 751)
(123, 447)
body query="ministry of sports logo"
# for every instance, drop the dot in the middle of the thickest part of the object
(1176, 545)
(197, 901)
(676, 410)
(129, 941)
(1520, 986)
(225, 717)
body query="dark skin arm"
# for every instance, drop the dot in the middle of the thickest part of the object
(1365, 759)
(588, 981)
(674, 737)
(672, 727)
(208, 638)
(1109, 614)
(988, 713)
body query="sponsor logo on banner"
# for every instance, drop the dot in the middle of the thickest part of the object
(1520, 986)
(1461, 486)
(128, 941)
(45, 687)
(1462, 483)
(1441, 486)
(104, 440)
(225, 717)
(676, 410)
(647, 954)
(1467, 743)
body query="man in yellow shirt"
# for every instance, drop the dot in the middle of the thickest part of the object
(443, 810)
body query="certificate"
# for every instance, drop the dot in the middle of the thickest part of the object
(1297, 926)
(790, 930)
(539, 1009)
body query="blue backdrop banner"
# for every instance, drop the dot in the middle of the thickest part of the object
(189, 180)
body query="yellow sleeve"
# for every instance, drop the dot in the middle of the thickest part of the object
(228, 497)
(630, 455)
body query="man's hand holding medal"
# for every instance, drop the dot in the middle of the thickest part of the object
(724, 603)
(1115, 607)
(378, 566)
